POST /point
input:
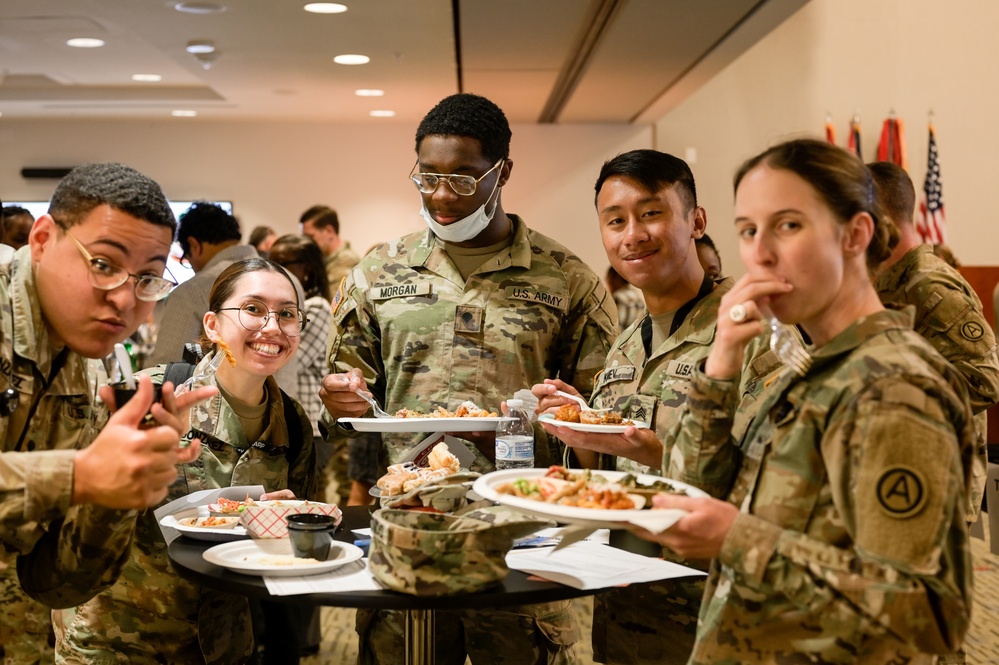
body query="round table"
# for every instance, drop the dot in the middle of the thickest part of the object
(516, 589)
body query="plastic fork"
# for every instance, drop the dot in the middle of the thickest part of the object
(788, 347)
(579, 400)
(208, 372)
(378, 411)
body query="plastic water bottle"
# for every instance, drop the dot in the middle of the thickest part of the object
(515, 438)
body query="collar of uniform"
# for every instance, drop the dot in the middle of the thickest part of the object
(31, 337)
(893, 276)
(519, 251)
(860, 331)
(215, 417)
(699, 326)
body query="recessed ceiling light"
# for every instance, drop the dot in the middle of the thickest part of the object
(147, 78)
(325, 8)
(351, 59)
(199, 7)
(382, 113)
(85, 42)
(182, 113)
(200, 46)
(366, 92)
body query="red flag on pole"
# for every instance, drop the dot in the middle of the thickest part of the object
(931, 224)
(853, 144)
(891, 147)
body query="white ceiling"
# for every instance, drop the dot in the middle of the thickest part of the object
(540, 60)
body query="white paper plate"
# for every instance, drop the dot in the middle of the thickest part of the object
(654, 520)
(594, 429)
(218, 535)
(253, 557)
(423, 424)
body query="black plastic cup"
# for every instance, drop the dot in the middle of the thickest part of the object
(311, 535)
(122, 394)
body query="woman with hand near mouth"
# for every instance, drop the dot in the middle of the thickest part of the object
(151, 615)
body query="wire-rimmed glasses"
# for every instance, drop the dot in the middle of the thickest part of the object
(462, 185)
(107, 276)
(255, 315)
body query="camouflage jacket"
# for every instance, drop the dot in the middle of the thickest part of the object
(157, 612)
(949, 315)
(68, 553)
(851, 544)
(339, 263)
(653, 389)
(424, 337)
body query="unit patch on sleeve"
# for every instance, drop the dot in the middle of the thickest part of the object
(901, 491)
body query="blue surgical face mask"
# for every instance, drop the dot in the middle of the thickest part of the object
(465, 228)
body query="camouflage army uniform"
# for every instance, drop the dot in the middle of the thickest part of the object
(851, 545)
(68, 553)
(151, 615)
(949, 315)
(656, 622)
(339, 263)
(424, 337)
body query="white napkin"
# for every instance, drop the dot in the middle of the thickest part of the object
(353, 576)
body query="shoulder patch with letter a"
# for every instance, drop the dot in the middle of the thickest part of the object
(901, 491)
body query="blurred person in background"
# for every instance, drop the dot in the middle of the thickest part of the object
(15, 223)
(261, 238)
(708, 255)
(628, 299)
(322, 224)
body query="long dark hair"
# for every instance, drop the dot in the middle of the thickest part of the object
(293, 248)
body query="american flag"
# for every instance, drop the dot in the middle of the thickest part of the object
(931, 222)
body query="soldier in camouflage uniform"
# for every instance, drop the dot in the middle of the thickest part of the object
(473, 309)
(649, 222)
(843, 537)
(151, 615)
(948, 311)
(68, 478)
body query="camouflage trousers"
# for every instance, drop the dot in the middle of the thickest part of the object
(523, 635)
(25, 624)
(646, 624)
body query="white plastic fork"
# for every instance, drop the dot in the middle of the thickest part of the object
(788, 347)
(209, 372)
(579, 400)
(377, 410)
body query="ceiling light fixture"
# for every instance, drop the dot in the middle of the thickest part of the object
(382, 113)
(351, 59)
(147, 78)
(325, 8)
(183, 113)
(196, 46)
(369, 92)
(85, 42)
(199, 8)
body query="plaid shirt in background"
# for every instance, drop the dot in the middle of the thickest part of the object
(312, 357)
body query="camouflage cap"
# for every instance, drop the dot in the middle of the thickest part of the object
(447, 494)
(433, 554)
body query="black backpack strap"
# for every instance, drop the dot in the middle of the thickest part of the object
(294, 424)
(193, 353)
(178, 373)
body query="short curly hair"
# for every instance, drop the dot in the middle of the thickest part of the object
(472, 116)
(120, 187)
(207, 222)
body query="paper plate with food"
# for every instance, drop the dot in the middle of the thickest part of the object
(195, 524)
(597, 421)
(274, 558)
(601, 499)
(468, 417)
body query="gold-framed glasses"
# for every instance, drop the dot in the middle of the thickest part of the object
(254, 316)
(463, 185)
(107, 276)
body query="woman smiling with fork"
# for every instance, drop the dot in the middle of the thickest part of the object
(842, 538)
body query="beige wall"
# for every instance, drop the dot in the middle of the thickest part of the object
(273, 171)
(869, 56)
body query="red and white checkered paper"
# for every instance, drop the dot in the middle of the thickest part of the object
(264, 520)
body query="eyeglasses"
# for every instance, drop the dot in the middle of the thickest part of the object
(255, 315)
(107, 276)
(463, 185)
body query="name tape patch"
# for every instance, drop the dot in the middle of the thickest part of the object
(398, 291)
(530, 294)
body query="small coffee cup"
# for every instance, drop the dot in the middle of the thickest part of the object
(311, 535)
(122, 394)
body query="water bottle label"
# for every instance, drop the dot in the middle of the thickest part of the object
(503, 451)
(515, 448)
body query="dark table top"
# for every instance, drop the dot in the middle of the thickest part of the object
(516, 588)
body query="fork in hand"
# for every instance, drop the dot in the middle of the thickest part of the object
(209, 371)
(788, 347)
(378, 411)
